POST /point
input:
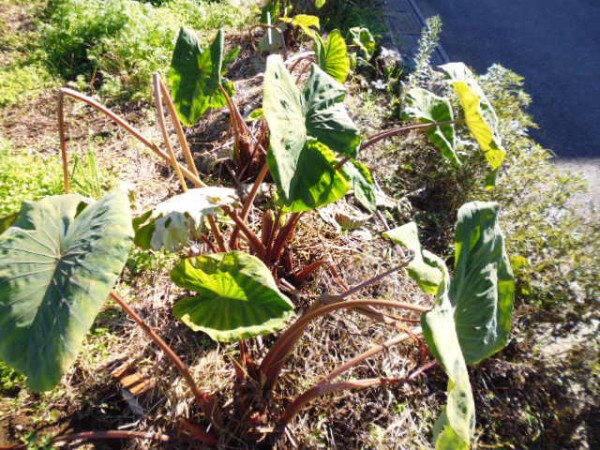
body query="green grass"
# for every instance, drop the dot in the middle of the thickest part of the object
(116, 45)
(112, 47)
(26, 176)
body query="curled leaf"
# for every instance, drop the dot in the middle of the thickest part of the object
(479, 113)
(236, 297)
(175, 222)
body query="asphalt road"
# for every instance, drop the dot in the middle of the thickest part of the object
(554, 44)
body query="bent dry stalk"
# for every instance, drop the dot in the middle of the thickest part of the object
(204, 399)
(120, 122)
(326, 388)
(272, 364)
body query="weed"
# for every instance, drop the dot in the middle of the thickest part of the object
(88, 179)
(26, 176)
(430, 37)
(556, 239)
(118, 44)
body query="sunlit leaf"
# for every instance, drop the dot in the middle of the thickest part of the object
(363, 184)
(175, 222)
(196, 76)
(430, 108)
(236, 297)
(317, 183)
(332, 55)
(58, 263)
(454, 428)
(427, 269)
(306, 22)
(297, 118)
(320, 3)
(479, 112)
(482, 290)
(363, 38)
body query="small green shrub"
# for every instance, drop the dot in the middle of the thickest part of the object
(554, 242)
(117, 45)
(118, 42)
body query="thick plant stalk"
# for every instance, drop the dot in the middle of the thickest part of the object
(160, 115)
(273, 362)
(285, 234)
(396, 131)
(217, 233)
(97, 435)
(62, 132)
(322, 389)
(127, 126)
(248, 202)
(178, 128)
(205, 400)
(253, 239)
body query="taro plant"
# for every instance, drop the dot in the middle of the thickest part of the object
(471, 319)
(479, 116)
(55, 276)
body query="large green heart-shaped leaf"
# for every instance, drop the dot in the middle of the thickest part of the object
(471, 319)
(196, 76)
(430, 108)
(456, 424)
(237, 297)
(58, 263)
(479, 112)
(332, 55)
(294, 118)
(482, 290)
(175, 222)
(317, 182)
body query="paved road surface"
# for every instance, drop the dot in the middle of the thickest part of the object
(555, 44)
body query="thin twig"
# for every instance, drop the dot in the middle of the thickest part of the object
(396, 131)
(160, 115)
(369, 282)
(360, 358)
(343, 161)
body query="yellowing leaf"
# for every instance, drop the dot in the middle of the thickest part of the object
(332, 55)
(306, 22)
(479, 113)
